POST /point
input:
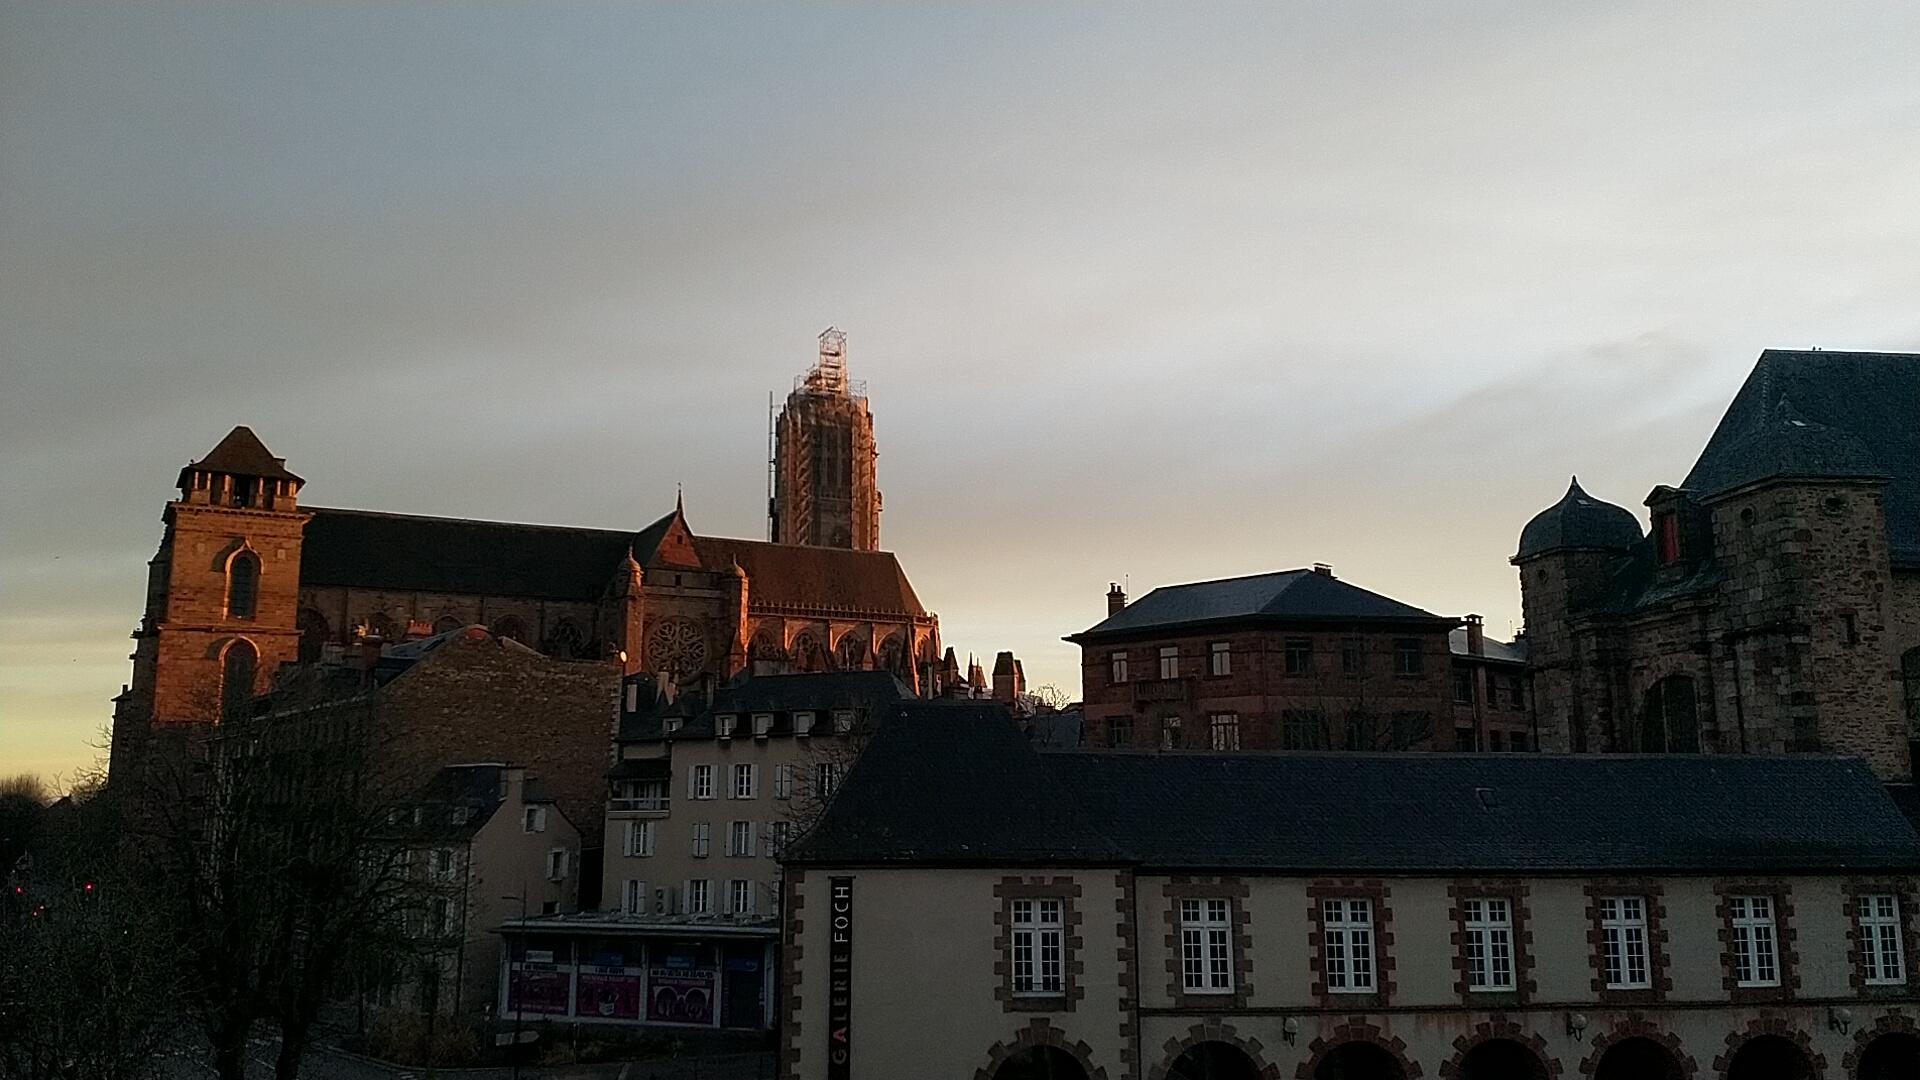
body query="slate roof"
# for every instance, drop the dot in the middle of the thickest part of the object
(474, 790)
(969, 790)
(1818, 413)
(1492, 649)
(371, 550)
(781, 695)
(242, 453)
(1579, 520)
(1284, 597)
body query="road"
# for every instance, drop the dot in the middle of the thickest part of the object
(325, 1064)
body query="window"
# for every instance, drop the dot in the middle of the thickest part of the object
(236, 680)
(1119, 731)
(1670, 724)
(777, 837)
(1038, 944)
(826, 777)
(633, 897)
(533, 819)
(646, 796)
(740, 839)
(556, 864)
(1117, 667)
(803, 723)
(783, 781)
(1297, 654)
(1206, 958)
(549, 907)
(1488, 939)
(699, 893)
(1225, 729)
(1880, 947)
(1517, 741)
(1170, 661)
(1406, 657)
(701, 831)
(672, 724)
(440, 864)
(1464, 741)
(1346, 935)
(762, 725)
(633, 697)
(746, 781)
(1410, 729)
(1756, 953)
(700, 782)
(725, 723)
(1353, 656)
(1666, 528)
(1363, 730)
(1303, 729)
(1516, 692)
(1494, 741)
(1462, 686)
(1169, 732)
(1623, 942)
(842, 721)
(1220, 658)
(739, 897)
(640, 838)
(243, 585)
(439, 917)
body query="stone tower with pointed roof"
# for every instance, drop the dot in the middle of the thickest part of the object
(1774, 606)
(222, 592)
(825, 487)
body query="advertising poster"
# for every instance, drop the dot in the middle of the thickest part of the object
(537, 988)
(610, 993)
(681, 995)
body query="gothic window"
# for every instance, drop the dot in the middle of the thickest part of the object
(314, 633)
(243, 585)
(893, 655)
(677, 646)
(510, 626)
(1910, 681)
(236, 679)
(764, 654)
(851, 654)
(565, 641)
(807, 654)
(1670, 723)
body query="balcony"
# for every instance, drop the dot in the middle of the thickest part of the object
(642, 804)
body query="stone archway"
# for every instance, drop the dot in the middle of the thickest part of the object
(1888, 1050)
(1040, 1052)
(1500, 1050)
(1638, 1050)
(1770, 1049)
(1357, 1050)
(1213, 1051)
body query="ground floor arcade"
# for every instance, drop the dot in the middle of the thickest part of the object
(613, 969)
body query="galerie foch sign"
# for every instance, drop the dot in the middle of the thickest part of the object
(839, 978)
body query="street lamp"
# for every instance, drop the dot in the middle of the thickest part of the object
(513, 1049)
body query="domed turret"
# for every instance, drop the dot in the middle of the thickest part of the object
(1579, 521)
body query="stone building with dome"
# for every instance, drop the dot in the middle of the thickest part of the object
(1773, 606)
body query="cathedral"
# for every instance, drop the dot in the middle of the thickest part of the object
(247, 580)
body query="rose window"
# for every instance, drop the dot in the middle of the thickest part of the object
(677, 646)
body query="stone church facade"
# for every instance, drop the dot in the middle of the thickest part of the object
(1775, 606)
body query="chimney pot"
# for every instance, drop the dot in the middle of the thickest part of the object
(1116, 598)
(1323, 568)
(1476, 635)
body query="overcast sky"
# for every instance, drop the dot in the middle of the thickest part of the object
(1164, 294)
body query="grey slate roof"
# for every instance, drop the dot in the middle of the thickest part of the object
(241, 453)
(456, 555)
(1579, 520)
(968, 789)
(869, 692)
(1845, 414)
(1284, 597)
(1514, 652)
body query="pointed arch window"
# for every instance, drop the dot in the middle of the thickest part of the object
(851, 654)
(243, 585)
(237, 669)
(565, 642)
(1670, 723)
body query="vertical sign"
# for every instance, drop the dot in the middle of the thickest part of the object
(840, 978)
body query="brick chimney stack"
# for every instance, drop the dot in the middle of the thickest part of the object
(1476, 635)
(1116, 598)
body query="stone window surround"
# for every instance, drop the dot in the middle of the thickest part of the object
(1235, 892)
(1907, 892)
(1652, 892)
(1784, 935)
(1377, 893)
(1073, 966)
(1515, 892)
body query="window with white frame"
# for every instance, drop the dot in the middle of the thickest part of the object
(725, 723)
(826, 777)
(1224, 727)
(440, 865)
(740, 838)
(1881, 950)
(739, 897)
(633, 897)
(557, 864)
(1346, 942)
(1623, 942)
(702, 831)
(533, 819)
(803, 722)
(777, 832)
(699, 896)
(1039, 945)
(640, 838)
(1488, 941)
(1170, 661)
(672, 725)
(843, 721)
(1220, 658)
(746, 781)
(1756, 948)
(1206, 950)
(700, 782)
(783, 781)
(1117, 667)
(762, 724)
(440, 917)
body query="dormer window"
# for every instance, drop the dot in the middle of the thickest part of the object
(762, 724)
(803, 723)
(671, 725)
(1666, 532)
(725, 723)
(842, 721)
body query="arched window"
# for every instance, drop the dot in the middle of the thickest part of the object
(1910, 681)
(510, 626)
(851, 654)
(1670, 722)
(764, 654)
(893, 655)
(807, 654)
(565, 641)
(243, 585)
(314, 633)
(446, 623)
(236, 679)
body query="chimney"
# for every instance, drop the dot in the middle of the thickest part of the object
(1476, 635)
(1116, 598)
(1323, 568)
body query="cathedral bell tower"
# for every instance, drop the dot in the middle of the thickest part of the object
(222, 594)
(825, 491)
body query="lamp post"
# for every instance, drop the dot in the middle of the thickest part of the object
(513, 1048)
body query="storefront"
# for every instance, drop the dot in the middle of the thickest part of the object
(627, 970)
